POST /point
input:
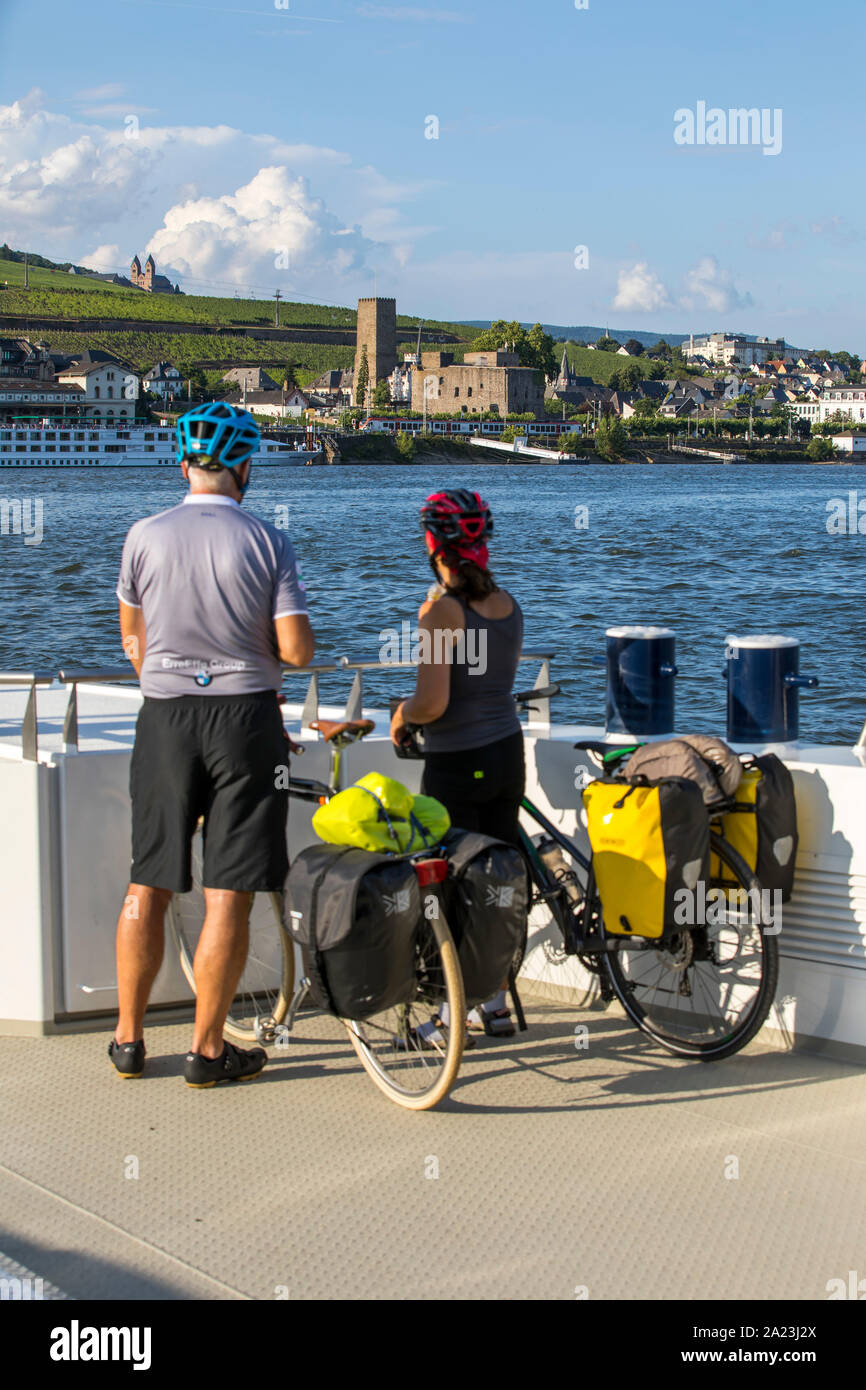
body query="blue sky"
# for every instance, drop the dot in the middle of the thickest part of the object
(248, 144)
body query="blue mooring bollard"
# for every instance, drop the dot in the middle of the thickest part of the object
(764, 683)
(640, 680)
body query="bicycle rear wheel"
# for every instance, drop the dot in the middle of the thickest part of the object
(705, 991)
(407, 1051)
(265, 987)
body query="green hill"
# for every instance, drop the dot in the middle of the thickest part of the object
(56, 294)
(600, 365)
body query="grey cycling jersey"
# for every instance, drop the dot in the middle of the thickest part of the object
(209, 579)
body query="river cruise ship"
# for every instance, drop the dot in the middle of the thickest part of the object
(73, 445)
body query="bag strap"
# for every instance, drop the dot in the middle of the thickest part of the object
(429, 842)
(314, 961)
(384, 810)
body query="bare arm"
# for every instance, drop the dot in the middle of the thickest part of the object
(295, 640)
(436, 630)
(132, 634)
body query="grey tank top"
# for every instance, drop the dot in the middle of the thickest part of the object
(481, 707)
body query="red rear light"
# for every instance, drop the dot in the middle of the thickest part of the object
(431, 871)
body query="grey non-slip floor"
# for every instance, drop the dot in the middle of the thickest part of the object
(552, 1171)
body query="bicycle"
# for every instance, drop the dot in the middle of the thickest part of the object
(702, 991)
(408, 1052)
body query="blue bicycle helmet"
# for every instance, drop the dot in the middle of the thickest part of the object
(219, 433)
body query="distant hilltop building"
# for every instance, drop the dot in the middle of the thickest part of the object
(724, 349)
(148, 279)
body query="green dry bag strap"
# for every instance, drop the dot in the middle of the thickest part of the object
(384, 810)
(427, 838)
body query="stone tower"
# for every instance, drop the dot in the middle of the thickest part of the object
(377, 331)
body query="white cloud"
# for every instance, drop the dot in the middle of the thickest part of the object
(240, 236)
(640, 290)
(208, 201)
(106, 257)
(708, 286)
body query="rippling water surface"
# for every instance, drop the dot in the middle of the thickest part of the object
(707, 551)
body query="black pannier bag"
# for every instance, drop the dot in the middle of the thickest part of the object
(356, 916)
(763, 823)
(486, 899)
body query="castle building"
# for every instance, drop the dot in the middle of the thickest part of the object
(485, 381)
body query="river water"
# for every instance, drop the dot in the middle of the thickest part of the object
(709, 551)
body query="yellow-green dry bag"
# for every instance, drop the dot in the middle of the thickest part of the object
(378, 813)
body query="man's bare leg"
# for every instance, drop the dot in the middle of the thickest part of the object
(140, 944)
(218, 965)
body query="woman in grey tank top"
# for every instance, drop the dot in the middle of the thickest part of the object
(473, 742)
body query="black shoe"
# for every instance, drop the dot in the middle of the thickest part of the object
(235, 1064)
(128, 1058)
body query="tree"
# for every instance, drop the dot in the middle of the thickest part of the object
(543, 351)
(405, 445)
(381, 395)
(605, 344)
(625, 378)
(634, 347)
(645, 408)
(847, 360)
(363, 382)
(570, 443)
(290, 381)
(610, 437)
(819, 449)
(534, 349)
(661, 349)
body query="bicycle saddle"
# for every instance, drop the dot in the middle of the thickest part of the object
(331, 729)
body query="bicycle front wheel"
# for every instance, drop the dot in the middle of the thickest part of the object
(265, 987)
(705, 991)
(412, 1052)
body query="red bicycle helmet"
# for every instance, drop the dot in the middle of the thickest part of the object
(460, 521)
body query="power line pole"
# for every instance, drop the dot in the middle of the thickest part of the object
(277, 298)
(26, 273)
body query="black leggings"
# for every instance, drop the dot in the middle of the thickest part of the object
(481, 788)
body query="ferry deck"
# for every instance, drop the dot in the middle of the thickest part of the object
(554, 1170)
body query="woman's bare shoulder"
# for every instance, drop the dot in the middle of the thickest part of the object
(443, 612)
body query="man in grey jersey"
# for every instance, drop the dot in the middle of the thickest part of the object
(210, 606)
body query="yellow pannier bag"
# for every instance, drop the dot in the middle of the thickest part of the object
(378, 813)
(650, 845)
(762, 827)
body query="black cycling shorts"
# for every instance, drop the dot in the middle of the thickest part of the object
(216, 756)
(480, 788)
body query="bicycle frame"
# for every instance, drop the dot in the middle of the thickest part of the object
(584, 940)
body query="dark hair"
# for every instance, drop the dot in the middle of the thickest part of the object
(473, 582)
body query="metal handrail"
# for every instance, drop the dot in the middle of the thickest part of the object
(30, 722)
(26, 677)
(74, 676)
